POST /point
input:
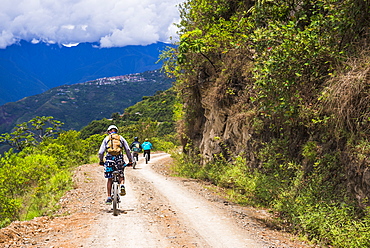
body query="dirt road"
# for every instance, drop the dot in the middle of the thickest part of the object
(158, 211)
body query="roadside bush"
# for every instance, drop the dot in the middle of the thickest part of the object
(9, 205)
(305, 202)
(21, 177)
(45, 197)
(34, 179)
(185, 165)
(94, 142)
(78, 149)
(160, 144)
(58, 151)
(335, 225)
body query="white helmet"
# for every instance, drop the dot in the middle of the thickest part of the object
(112, 127)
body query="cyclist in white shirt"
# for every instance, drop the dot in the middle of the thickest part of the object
(114, 159)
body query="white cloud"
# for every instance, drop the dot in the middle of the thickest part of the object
(6, 38)
(110, 22)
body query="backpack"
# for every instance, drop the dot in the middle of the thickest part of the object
(136, 147)
(146, 145)
(114, 144)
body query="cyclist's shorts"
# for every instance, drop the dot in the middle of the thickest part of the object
(113, 163)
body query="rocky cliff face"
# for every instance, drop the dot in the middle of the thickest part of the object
(219, 113)
(221, 119)
(225, 130)
(358, 174)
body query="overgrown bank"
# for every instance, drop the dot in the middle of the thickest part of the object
(38, 171)
(276, 108)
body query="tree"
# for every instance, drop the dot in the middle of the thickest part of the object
(115, 116)
(32, 132)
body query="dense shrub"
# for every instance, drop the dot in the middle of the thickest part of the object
(34, 179)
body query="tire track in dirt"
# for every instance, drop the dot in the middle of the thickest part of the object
(197, 214)
(158, 211)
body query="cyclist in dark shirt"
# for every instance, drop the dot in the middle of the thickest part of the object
(136, 148)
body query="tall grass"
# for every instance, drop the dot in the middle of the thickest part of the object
(305, 204)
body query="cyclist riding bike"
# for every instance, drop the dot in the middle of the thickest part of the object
(136, 148)
(114, 144)
(147, 146)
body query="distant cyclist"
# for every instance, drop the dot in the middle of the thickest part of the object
(136, 148)
(114, 144)
(147, 146)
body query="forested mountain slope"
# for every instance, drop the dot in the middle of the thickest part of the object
(276, 107)
(28, 69)
(151, 117)
(78, 104)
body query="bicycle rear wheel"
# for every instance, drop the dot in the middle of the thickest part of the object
(134, 163)
(146, 158)
(115, 188)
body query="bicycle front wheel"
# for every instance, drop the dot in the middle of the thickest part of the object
(115, 188)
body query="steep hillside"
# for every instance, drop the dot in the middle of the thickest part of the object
(151, 117)
(28, 69)
(159, 107)
(78, 104)
(277, 110)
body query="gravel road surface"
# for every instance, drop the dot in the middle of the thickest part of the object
(158, 211)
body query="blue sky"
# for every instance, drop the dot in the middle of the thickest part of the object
(110, 23)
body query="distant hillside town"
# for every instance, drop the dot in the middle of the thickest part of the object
(135, 77)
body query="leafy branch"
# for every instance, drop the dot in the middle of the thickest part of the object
(32, 132)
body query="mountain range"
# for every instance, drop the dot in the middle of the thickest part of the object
(78, 104)
(28, 69)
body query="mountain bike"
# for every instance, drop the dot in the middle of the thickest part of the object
(146, 158)
(115, 192)
(135, 156)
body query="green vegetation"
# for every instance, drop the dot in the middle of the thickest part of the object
(152, 118)
(32, 132)
(78, 104)
(292, 77)
(158, 107)
(38, 172)
(273, 106)
(34, 179)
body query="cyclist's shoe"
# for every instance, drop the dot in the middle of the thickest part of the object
(109, 200)
(123, 190)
